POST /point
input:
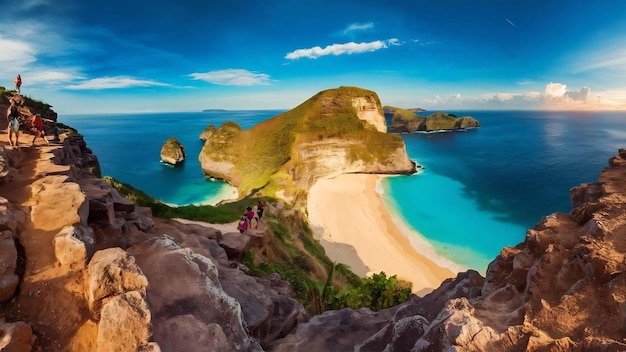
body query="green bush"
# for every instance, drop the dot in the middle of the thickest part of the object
(375, 292)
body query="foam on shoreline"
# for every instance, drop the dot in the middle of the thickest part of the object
(226, 193)
(350, 219)
(417, 240)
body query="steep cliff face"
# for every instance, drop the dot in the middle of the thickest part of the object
(84, 269)
(336, 131)
(562, 289)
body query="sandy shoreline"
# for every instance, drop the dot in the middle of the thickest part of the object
(350, 220)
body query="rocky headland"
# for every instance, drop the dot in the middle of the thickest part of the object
(406, 121)
(84, 269)
(337, 131)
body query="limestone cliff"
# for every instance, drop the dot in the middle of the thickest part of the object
(336, 131)
(407, 121)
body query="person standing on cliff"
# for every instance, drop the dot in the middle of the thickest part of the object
(13, 123)
(18, 84)
(37, 123)
(259, 213)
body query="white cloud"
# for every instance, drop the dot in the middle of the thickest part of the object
(15, 52)
(555, 89)
(341, 49)
(49, 77)
(358, 27)
(437, 100)
(557, 94)
(114, 83)
(233, 77)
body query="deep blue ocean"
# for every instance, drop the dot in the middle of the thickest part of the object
(479, 191)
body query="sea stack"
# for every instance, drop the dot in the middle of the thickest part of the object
(404, 121)
(172, 152)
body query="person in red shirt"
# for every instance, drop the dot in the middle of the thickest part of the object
(18, 84)
(37, 123)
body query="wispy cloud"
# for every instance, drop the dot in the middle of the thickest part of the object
(114, 83)
(50, 77)
(341, 49)
(355, 27)
(15, 52)
(233, 77)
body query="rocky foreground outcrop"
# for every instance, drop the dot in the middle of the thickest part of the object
(84, 269)
(562, 289)
(336, 131)
(405, 121)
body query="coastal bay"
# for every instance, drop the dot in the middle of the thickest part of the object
(350, 220)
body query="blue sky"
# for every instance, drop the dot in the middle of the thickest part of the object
(187, 55)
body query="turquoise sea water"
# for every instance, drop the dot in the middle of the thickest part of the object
(128, 147)
(480, 190)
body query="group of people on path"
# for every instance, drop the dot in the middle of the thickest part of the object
(245, 223)
(13, 125)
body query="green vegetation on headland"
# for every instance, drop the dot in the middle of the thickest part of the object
(393, 108)
(274, 157)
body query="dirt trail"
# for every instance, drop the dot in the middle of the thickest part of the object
(49, 297)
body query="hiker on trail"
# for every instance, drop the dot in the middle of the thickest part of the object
(249, 216)
(13, 126)
(259, 213)
(37, 128)
(18, 83)
(243, 225)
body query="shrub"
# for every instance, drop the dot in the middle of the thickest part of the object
(375, 292)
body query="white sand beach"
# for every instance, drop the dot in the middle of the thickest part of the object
(350, 220)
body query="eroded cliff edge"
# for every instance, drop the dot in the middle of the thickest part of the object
(337, 131)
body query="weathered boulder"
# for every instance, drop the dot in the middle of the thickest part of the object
(235, 244)
(333, 331)
(124, 323)
(267, 314)
(110, 273)
(76, 153)
(104, 201)
(8, 263)
(11, 218)
(6, 165)
(172, 152)
(185, 287)
(73, 246)
(16, 337)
